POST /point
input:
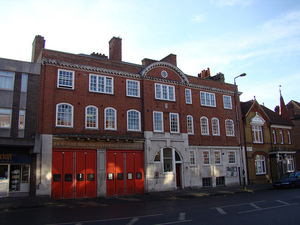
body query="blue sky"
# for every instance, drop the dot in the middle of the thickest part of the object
(257, 37)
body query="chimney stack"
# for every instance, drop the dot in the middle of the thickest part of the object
(37, 46)
(115, 49)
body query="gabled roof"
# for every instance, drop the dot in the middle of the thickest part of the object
(275, 118)
(246, 106)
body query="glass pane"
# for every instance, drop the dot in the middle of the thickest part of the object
(25, 173)
(167, 152)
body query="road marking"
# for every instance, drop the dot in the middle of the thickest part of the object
(255, 206)
(175, 222)
(221, 211)
(181, 216)
(226, 206)
(285, 203)
(133, 221)
(106, 220)
(261, 209)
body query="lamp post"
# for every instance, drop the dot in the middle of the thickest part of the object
(239, 127)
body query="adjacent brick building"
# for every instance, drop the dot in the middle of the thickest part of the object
(109, 127)
(19, 91)
(268, 142)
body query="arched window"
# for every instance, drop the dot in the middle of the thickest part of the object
(91, 117)
(215, 126)
(229, 126)
(133, 120)
(64, 115)
(260, 164)
(190, 124)
(204, 125)
(110, 119)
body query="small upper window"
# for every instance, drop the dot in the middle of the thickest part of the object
(208, 99)
(91, 117)
(165, 92)
(274, 136)
(174, 123)
(204, 126)
(190, 124)
(229, 126)
(192, 158)
(22, 119)
(215, 126)
(281, 137)
(7, 80)
(188, 96)
(101, 84)
(227, 102)
(133, 120)
(64, 115)
(289, 136)
(65, 79)
(158, 122)
(5, 118)
(110, 119)
(133, 88)
(24, 82)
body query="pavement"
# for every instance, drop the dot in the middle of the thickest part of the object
(16, 203)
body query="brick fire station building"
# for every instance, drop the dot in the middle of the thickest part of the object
(110, 128)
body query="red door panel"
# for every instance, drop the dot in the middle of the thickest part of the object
(130, 177)
(68, 175)
(110, 174)
(80, 175)
(120, 176)
(91, 177)
(57, 158)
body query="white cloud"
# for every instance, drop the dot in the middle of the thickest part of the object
(198, 18)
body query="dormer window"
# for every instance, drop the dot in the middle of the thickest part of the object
(257, 123)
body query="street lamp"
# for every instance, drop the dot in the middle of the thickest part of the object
(239, 126)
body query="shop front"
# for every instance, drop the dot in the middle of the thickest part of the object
(14, 174)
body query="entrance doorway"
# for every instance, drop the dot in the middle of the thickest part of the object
(74, 174)
(178, 175)
(124, 173)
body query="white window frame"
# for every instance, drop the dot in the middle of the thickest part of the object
(281, 137)
(106, 117)
(61, 79)
(71, 114)
(208, 99)
(22, 113)
(190, 124)
(229, 129)
(129, 121)
(260, 164)
(105, 86)
(6, 112)
(7, 80)
(257, 134)
(86, 117)
(274, 136)
(289, 137)
(204, 157)
(229, 156)
(215, 132)
(192, 157)
(203, 129)
(220, 157)
(290, 165)
(162, 92)
(174, 124)
(227, 102)
(155, 122)
(188, 96)
(130, 90)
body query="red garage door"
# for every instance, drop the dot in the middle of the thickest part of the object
(124, 173)
(73, 174)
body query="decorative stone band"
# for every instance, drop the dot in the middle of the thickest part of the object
(142, 76)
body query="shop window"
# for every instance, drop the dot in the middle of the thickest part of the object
(260, 164)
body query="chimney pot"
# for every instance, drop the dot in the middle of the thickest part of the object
(115, 49)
